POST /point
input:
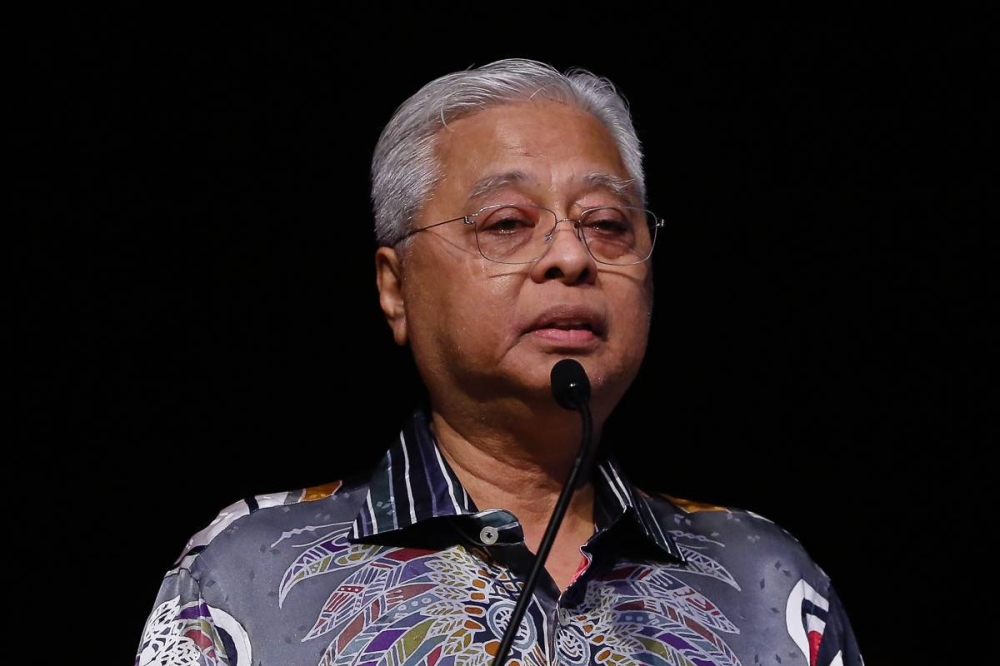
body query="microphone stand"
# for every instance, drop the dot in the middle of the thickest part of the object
(579, 473)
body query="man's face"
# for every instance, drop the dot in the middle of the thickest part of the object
(481, 330)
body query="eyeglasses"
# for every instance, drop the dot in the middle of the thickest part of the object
(519, 233)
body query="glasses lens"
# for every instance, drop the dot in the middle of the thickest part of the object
(619, 235)
(519, 233)
(512, 233)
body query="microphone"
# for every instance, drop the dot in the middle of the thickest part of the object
(570, 386)
(571, 390)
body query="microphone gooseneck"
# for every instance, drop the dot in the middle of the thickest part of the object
(571, 390)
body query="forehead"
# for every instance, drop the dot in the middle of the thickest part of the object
(539, 146)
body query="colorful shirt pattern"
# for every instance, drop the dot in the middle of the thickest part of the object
(403, 569)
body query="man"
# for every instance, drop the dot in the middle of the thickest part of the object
(510, 211)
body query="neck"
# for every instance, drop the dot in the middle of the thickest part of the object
(520, 469)
(541, 444)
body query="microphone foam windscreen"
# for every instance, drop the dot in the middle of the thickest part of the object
(570, 385)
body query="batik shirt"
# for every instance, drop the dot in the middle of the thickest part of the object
(404, 568)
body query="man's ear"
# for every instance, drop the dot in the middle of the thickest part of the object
(389, 278)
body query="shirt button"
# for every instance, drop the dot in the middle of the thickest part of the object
(488, 535)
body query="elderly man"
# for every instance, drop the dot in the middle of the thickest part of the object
(510, 212)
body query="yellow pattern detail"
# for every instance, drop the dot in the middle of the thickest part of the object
(692, 506)
(319, 492)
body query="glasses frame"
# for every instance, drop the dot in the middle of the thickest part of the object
(470, 220)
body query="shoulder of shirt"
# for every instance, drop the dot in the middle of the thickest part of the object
(707, 520)
(689, 507)
(258, 506)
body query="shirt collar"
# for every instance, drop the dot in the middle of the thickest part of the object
(413, 483)
(618, 498)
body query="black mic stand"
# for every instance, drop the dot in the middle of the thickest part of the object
(579, 400)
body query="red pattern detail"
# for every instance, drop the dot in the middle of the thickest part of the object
(344, 595)
(406, 554)
(701, 630)
(814, 640)
(350, 631)
(199, 638)
(584, 563)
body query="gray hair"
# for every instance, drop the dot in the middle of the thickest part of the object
(404, 168)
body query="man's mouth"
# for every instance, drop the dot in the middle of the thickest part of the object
(569, 325)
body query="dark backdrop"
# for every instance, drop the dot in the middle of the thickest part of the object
(196, 306)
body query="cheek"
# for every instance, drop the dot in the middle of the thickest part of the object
(487, 312)
(472, 314)
(635, 321)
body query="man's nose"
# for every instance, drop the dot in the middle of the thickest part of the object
(566, 256)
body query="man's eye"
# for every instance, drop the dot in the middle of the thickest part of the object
(507, 222)
(608, 226)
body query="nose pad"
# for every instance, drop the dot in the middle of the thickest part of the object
(567, 263)
(555, 227)
(567, 254)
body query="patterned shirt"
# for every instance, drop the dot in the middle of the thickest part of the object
(403, 568)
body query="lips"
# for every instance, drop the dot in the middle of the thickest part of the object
(570, 322)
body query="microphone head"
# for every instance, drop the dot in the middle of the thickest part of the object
(570, 385)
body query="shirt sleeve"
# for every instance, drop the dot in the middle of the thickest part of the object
(181, 629)
(838, 645)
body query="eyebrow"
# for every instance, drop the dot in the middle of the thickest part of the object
(498, 181)
(623, 188)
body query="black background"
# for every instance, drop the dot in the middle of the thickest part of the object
(195, 306)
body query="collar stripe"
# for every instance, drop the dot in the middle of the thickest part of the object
(406, 475)
(613, 484)
(447, 479)
(428, 486)
(392, 496)
(371, 513)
